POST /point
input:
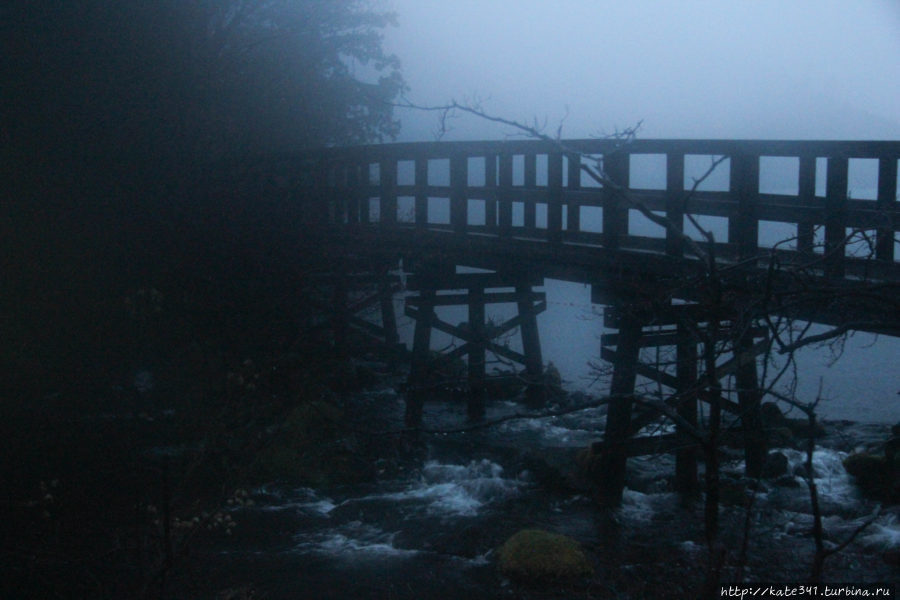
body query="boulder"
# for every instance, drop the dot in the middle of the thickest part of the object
(535, 554)
(877, 476)
(776, 465)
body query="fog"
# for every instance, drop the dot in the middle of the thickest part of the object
(762, 69)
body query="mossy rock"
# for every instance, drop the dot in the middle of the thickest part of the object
(535, 554)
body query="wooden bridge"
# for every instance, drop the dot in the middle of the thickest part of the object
(785, 215)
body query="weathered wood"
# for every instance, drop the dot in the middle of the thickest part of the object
(388, 315)
(835, 216)
(490, 185)
(573, 184)
(750, 398)
(530, 181)
(387, 171)
(505, 194)
(686, 374)
(531, 344)
(618, 418)
(743, 224)
(459, 176)
(554, 197)
(675, 198)
(421, 197)
(478, 339)
(615, 211)
(807, 196)
(887, 205)
(418, 373)
(489, 298)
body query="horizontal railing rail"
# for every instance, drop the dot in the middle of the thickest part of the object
(803, 198)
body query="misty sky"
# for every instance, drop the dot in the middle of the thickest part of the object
(755, 69)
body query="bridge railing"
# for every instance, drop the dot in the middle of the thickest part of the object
(802, 197)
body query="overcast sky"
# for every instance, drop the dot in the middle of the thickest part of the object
(724, 68)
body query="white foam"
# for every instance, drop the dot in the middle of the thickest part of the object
(355, 539)
(883, 534)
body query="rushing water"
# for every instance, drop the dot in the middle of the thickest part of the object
(430, 525)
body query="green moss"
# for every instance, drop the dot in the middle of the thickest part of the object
(538, 554)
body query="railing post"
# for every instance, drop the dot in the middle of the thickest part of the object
(505, 194)
(387, 171)
(476, 370)
(421, 183)
(554, 197)
(675, 203)
(743, 226)
(807, 193)
(835, 216)
(530, 210)
(458, 202)
(686, 374)
(365, 205)
(573, 207)
(887, 201)
(490, 185)
(615, 211)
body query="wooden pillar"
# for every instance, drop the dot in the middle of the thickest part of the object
(807, 194)
(618, 417)
(535, 393)
(835, 216)
(887, 201)
(388, 316)
(421, 354)
(476, 371)
(355, 184)
(675, 203)
(686, 374)
(749, 398)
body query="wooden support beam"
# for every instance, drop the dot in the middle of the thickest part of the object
(490, 185)
(750, 398)
(489, 298)
(340, 315)
(477, 343)
(618, 418)
(415, 395)
(505, 195)
(462, 281)
(535, 393)
(686, 375)
(388, 315)
(387, 170)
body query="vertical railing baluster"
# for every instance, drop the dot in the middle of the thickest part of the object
(743, 223)
(835, 216)
(365, 208)
(573, 207)
(530, 210)
(459, 164)
(807, 193)
(353, 193)
(615, 211)
(887, 203)
(421, 183)
(554, 196)
(505, 194)
(387, 171)
(490, 185)
(675, 207)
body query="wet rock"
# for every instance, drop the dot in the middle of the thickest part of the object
(877, 476)
(776, 465)
(535, 554)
